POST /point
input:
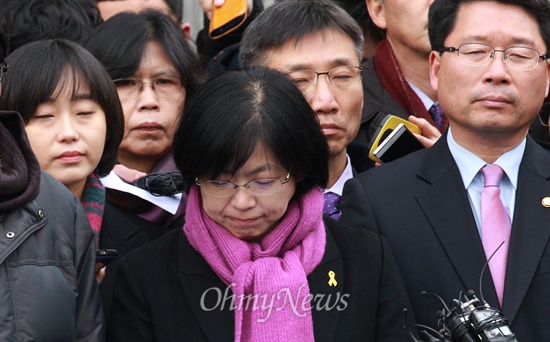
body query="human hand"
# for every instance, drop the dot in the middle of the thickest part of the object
(207, 6)
(128, 175)
(99, 272)
(430, 134)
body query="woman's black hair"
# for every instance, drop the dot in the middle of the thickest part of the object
(35, 71)
(231, 114)
(119, 42)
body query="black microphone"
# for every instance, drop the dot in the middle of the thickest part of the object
(161, 184)
(473, 320)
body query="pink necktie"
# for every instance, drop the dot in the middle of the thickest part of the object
(495, 226)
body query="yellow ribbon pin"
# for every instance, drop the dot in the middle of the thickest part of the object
(332, 281)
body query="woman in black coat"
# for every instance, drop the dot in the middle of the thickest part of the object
(255, 260)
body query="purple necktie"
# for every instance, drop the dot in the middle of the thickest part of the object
(495, 226)
(332, 205)
(436, 114)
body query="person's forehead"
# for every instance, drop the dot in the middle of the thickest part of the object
(111, 8)
(323, 48)
(497, 21)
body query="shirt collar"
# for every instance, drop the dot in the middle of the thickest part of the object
(469, 164)
(428, 103)
(338, 187)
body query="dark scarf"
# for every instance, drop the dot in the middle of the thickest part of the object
(19, 168)
(393, 81)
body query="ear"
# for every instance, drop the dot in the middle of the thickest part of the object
(434, 60)
(377, 12)
(186, 30)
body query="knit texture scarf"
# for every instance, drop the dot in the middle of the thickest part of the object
(393, 81)
(93, 201)
(19, 168)
(273, 271)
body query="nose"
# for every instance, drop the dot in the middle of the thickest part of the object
(67, 129)
(322, 98)
(242, 198)
(497, 71)
(147, 98)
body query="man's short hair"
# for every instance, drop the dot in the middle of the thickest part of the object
(443, 15)
(292, 20)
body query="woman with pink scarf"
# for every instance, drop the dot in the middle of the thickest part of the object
(255, 259)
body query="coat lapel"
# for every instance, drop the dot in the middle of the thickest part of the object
(326, 295)
(206, 294)
(530, 227)
(452, 219)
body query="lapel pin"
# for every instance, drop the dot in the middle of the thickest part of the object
(332, 281)
(546, 202)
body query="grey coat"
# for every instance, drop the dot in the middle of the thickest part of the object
(48, 290)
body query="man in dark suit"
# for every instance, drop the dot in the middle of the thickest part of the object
(490, 69)
(322, 54)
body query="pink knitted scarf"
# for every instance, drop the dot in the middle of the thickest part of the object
(273, 271)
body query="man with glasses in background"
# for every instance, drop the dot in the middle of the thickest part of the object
(319, 46)
(482, 191)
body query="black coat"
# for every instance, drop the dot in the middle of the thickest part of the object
(159, 288)
(419, 204)
(125, 232)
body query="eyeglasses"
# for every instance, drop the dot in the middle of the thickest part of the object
(516, 57)
(162, 86)
(260, 187)
(3, 69)
(342, 77)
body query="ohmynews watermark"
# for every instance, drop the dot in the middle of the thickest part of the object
(299, 303)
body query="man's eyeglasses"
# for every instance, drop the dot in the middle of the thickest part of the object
(162, 86)
(260, 187)
(342, 77)
(516, 57)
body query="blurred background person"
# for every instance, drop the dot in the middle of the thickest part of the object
(172, 8)
(371, 33)
(33, 20)
(396, 80)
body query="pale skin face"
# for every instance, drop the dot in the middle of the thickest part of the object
(406, 25)
(490, 107)
(405, 22)
(149, 118)
(68, 137)
(338, 111)
(245, 215)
